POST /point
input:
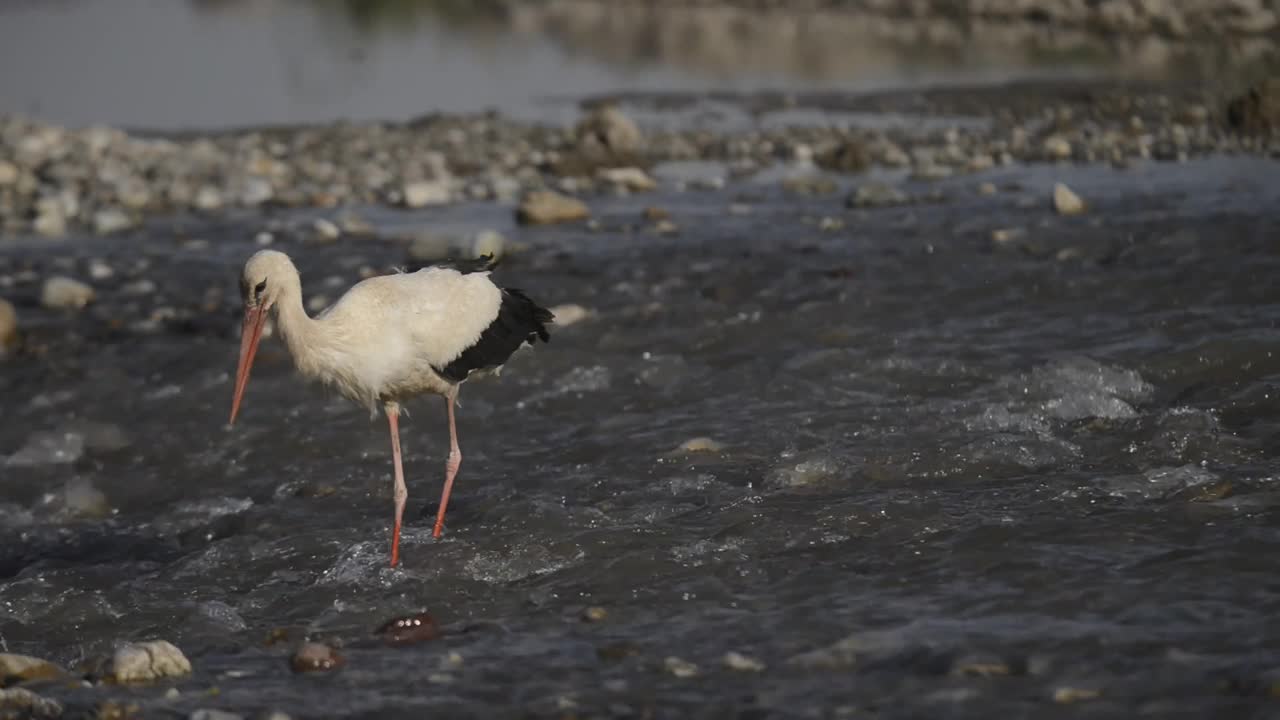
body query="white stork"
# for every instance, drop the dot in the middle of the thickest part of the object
(390, 338)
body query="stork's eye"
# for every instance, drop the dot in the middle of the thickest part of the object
(260, 288)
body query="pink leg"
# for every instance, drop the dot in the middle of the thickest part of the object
(401, 493)
(451, 467)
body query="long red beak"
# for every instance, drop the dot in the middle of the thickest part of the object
(250, 334)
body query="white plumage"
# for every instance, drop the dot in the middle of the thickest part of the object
(390, 338)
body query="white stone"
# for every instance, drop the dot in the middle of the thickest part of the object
(110, 220)
(1065, 201)
(140, 662)
(62, 292)
(425, 192)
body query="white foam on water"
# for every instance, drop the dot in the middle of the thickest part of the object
(49, 448)
(518, 563)
(703, 552)
(1158, 483)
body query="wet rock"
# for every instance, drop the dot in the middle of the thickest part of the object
(222, 615)
(809, 472)
(980, 162)
(849, 651)
(60, 292)
(422, 193)
(147, 661)
(620, 650)
(594, 614)
(208, 198)
(22, 703)
(139, 288)
(544, 207)
(877, 194)
(110, 220)
(315, 657)
(629, 178)
(851, 156)
(51, 218)
(980, 666)
(742, 663)
(1257, 110)
(99, 436)
(1066, 695)
(113, 710)
(608, 130)
(16, 669)
(892, 155)
(9, 173)
(410, 629)
(256, 192)
(1065, 201)
(931, 171)
(8, 327)
(809, 185)
(325, 230)
(81, 499)
(654, 214)
(100, 270)
(679, 667)
(1057, 147)
(666, 227)
(205, 714)
(1006, 236)
(700, 444)
(49, 448)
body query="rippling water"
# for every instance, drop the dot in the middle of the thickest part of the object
(957, 476)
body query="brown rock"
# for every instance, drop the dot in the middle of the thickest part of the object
(851, 156)
(609, 130)
(1257, 110)
(16, 669)
(410, 629)
(316, 657)
(8, 326)
(1066, 695)
(544, 207)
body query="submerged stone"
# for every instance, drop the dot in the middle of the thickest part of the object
(16, 669)
(410, 629)
(316, 657)
(22, 703)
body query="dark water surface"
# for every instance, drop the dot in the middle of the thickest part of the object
(957, 478)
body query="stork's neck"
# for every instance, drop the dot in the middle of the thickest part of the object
(303, 335)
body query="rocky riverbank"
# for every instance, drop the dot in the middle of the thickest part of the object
(56, 181)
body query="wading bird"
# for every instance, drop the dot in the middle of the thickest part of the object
(390, 338)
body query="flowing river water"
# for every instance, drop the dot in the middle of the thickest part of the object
(947, 476)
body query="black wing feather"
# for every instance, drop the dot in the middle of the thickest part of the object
(519, 320)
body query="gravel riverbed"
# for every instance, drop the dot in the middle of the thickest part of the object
(959, 402)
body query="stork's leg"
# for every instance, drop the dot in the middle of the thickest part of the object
(451, 466)
(401, 492)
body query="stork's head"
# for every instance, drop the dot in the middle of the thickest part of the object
(265, 276)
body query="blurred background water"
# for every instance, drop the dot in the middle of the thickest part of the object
(217, 63)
